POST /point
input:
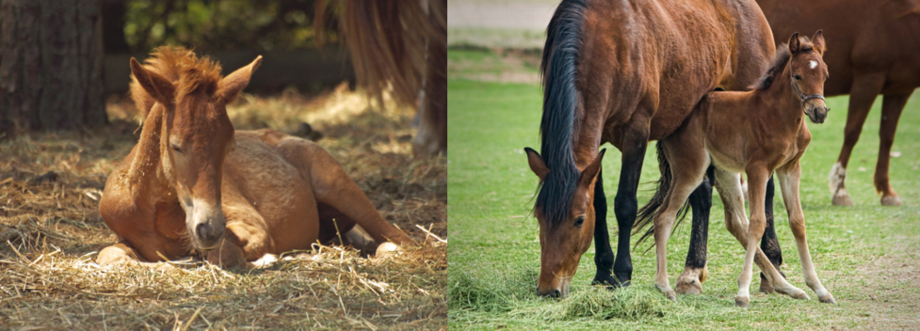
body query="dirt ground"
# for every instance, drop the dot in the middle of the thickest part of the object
(50, 231)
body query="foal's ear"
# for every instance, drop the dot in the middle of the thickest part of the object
(818, 41)
(590, 172)
(536, 163)
(794, 43)
(155, 84)
(231, 85)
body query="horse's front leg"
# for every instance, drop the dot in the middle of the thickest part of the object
(757, 186)
(603, 253)
(625, 204)
(789, 183)
(119, 253)
(242, 243)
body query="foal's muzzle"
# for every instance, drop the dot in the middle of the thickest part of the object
(815, 108)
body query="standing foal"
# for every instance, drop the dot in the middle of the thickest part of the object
(756, 132)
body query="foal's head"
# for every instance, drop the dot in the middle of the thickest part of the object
(808, 72)
(197, 134)
(566, 219)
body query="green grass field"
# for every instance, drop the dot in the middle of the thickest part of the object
(865, 255)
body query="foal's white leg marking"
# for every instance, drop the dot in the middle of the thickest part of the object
(812, 64)
(265, 261)
(789, 184)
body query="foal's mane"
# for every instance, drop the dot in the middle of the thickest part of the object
(181, 67)
(779, 62)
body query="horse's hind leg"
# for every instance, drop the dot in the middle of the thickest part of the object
(862, 94)
(336, 227)
(789, 183)
(695, 273)
(332, 186)
(892, 106)
(603, 256)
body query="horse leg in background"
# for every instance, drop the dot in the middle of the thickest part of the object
(687, 165)
(332, 186)
(729, 186)
(892, 106)
(625, 205)
(769, 244)
(691, 280)
(862, 95)
(431, 138)
(603, 253)
(789, 183)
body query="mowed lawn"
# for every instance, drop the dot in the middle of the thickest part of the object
(866, 255)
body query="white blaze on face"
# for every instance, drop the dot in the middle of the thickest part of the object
(812, 64)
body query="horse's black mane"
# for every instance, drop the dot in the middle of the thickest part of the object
(560, 60)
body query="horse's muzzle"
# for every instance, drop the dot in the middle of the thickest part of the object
(816, 110)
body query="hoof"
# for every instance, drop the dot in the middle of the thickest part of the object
(801, 296)
(670, 295)
(688, 285)
(387, 249)
(742, 302)
(766, 287)
(828, 299)
(891, 200)
(605, 280)
(842, 200)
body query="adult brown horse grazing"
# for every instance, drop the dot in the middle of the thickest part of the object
(627, 73)
(193, 184)
(875, 51)
(754, 132)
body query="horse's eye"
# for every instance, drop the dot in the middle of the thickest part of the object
(797, 77)
(176, 148)
(579, 221)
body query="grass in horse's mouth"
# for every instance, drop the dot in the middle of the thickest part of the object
(50, 185)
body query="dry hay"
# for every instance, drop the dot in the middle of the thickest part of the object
(50, 231)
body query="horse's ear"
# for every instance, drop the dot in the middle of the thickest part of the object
(818, 41)
(231, 85)
(794, 43)
(155, 84)
(590, 172)
(536, 163)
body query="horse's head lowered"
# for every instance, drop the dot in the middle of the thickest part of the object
(196, 134)
(566, 234)
(808, 72)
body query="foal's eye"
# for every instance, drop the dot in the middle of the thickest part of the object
(176, 148)
(797, 77)
(579, 221)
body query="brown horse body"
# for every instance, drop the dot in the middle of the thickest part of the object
(193, 184)
(876, 50)
(756, 133)
(625, 73)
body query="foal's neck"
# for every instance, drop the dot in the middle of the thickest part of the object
(146, 175)
(784, 103)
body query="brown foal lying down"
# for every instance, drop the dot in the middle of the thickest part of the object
(192, 185)
(755, 132)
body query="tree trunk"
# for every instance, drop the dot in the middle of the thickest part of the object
(51, 61)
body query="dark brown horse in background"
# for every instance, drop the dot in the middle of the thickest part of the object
(875, 50)
(400, 45)
(755, 133)
(627, 73)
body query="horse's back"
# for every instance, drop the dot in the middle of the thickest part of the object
(656, 59)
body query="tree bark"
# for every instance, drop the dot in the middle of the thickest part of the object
(51, 61)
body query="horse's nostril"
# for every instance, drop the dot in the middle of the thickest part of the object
(202, 230)
(556, 293)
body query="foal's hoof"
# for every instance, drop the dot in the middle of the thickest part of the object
(670, 295)
(766, 287)
(387, 249)
(742, 302)
(891, 200)
(829, 298)
(843, 200)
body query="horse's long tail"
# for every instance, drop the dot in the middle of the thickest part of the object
(646, 215)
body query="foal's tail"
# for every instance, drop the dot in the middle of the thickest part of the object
(646, 215)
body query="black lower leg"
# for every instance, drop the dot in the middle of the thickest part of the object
(626, 206)
(700, 204)
(603, 254)
(769, 244)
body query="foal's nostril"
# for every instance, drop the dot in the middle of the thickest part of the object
(556, 293)
(202, 230)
